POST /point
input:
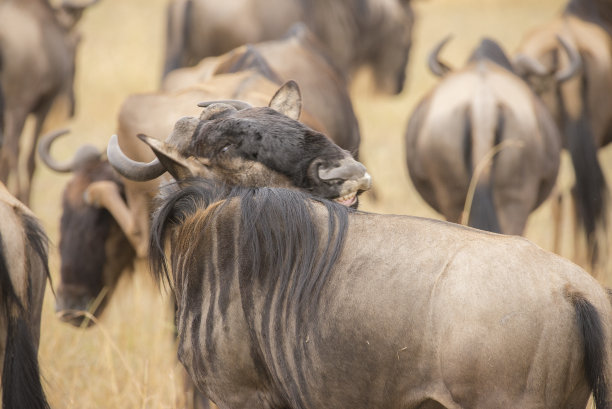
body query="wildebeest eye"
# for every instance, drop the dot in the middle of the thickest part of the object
(225, 148)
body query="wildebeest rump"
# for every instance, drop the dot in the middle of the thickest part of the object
(580, 105)
(455, 128)
(288, 301)
(376, 33)
(106, 192)
(23, 275)
(37, 65)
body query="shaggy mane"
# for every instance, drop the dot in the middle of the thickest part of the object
(281, 242)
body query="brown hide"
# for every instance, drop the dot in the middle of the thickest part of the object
(23, 276)
(452, 134)
(37, 54)
(580, 108)
(297, 57)
(355, 32)
(374, 311)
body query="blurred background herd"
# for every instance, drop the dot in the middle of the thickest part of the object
(128, 359)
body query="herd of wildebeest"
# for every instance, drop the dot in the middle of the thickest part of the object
(239, 181)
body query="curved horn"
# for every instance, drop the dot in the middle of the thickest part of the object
(129, 168)
(349, 168)
(74, 5)
(524, 65)
(437, 67)
(84, 154)
(239, 105)
(574, 59)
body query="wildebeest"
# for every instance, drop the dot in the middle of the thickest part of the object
(23, 276)
(289, 301)
(299, 156)
(457, 127)
(37, 65)
(375, 33)
(92, 248)
(297, 56)
(580, 105)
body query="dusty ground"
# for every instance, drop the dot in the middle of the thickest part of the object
(127, 360)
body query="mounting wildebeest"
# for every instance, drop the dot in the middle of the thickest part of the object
(298, 56)
(37, 65)
(23, 276)
(310, 166)
(580, 105)
(454, 132)
(376, 33)
(289, 301)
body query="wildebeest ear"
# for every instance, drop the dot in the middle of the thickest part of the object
(177, 164)
(288, 100)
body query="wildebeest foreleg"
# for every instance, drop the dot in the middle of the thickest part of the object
(106, 194)
(25, 187)
(9, 151)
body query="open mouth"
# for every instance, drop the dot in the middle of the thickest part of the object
(347, 200)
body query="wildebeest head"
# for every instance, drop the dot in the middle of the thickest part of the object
(240, 145)
(558, 63)
(93, 249)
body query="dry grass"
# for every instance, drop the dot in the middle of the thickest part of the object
(127, 360)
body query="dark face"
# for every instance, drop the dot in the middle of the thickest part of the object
(92, 247)
(262, 136)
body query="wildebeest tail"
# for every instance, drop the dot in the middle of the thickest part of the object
(1, 108)
(594, 343)
(590, 190)
(482, 213)
(177, 33)
(21, 385)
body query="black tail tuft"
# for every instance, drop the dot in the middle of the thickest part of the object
(593, 339)
(21, 386)
(590, 191)
(483, 214)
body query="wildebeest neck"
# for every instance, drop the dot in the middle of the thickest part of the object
(490, 50)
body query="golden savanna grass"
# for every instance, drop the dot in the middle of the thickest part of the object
(128, 359)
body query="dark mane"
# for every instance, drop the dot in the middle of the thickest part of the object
(280, 244)
(490, 50)
(253, 60)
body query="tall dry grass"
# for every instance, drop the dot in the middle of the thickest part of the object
(128, 359)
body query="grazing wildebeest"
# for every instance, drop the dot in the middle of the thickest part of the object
(375, 33)
(298, 56)
(129, 202)
(23, 276)
(289, 301)
(37, 53)
(92, 247)
(455, 129)
(580, 105)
